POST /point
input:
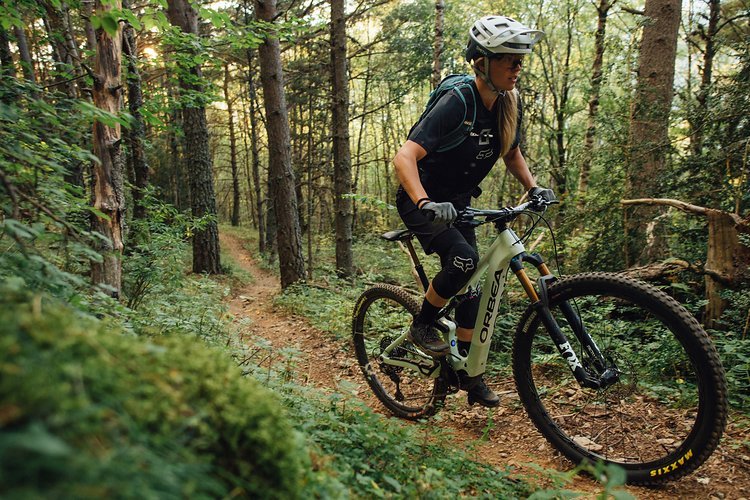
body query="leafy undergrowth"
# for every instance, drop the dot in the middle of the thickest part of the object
(87, 411)
(372, 456)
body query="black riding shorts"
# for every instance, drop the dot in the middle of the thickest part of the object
(457, 248)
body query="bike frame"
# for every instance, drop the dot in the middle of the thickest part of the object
(506, 254)
(496, 264)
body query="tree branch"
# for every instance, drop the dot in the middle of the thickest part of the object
(686, 207)
(635, 12)
(74, 231)
(731, 20)
(671, 266)
(11, 190)
(681, 205)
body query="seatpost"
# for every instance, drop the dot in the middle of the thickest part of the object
(416, 264)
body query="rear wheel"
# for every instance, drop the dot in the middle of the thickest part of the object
(382, 314)
(664, 415)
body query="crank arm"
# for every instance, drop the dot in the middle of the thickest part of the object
(429, 370)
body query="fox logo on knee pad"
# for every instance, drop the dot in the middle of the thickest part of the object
(465, 265)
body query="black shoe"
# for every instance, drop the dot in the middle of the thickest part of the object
(428, 339)
(483, 395)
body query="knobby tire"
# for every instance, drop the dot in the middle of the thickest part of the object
(384, 312)
(665, 415)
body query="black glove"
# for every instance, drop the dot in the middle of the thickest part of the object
(545, 194)
(441, 213)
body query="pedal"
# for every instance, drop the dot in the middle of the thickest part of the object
(441, 326)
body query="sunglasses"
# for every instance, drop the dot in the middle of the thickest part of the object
(515, 62)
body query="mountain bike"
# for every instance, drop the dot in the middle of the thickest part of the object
(608, 368)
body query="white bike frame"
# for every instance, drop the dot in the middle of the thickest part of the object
(505, 254)
(496, 264)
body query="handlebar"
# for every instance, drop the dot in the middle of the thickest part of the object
(467, 216)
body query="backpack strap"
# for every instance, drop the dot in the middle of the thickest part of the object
(462, 131)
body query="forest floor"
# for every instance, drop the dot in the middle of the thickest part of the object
(500, 437)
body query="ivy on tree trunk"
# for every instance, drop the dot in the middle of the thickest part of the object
(206, 258)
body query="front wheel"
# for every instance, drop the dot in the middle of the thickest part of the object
(382, 314)
(664, 415)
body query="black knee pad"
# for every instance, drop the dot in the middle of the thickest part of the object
(459, 262)
(466, 312)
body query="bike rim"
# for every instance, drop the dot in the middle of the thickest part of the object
(651, 414)
(378, 324)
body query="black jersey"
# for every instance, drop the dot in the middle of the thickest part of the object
(453, 174)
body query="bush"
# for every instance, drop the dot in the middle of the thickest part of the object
(88, 412)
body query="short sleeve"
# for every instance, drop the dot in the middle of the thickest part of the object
(442, 119)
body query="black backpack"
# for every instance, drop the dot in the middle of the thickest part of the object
(449, 83)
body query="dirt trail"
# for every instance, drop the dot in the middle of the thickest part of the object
(512, 439)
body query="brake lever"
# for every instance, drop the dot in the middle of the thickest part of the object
(467, 218)
(539, 204)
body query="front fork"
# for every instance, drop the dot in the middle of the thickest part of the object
(605, 375)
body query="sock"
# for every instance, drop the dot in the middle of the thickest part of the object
(463, 347)
(427, 314)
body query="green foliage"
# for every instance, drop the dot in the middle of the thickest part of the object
(733, 343)
(611, 476)
(45, 228)
(188, 54)
(382, 458)
(99, 413)
(357, 452)
(10, 15)
(329, 309)
(411, 39)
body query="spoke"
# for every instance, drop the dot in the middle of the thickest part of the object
(636, 419)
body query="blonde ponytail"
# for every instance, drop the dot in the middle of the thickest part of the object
(507, 120)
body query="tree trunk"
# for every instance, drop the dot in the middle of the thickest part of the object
(437, 52)
(27, 63)
(280, 173)
(87, 26)
(727, 260)
(360, 137)
(342, 160)
(108, 195)
(245, 133)
(271, 226)
(557, 74)
(55, 26)
(254, 150)
(596, 83)
(137, 132)
(58, 17)
(6, 58)
(232, 151)
(310, 198)
(206, 257)
(175, 165)
(700, 121)
(649, 122)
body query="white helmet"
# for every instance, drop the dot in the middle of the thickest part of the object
(500, 35)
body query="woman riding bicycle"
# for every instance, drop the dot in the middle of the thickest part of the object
(436, 183)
